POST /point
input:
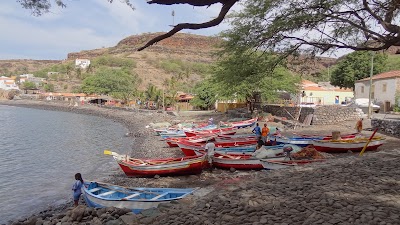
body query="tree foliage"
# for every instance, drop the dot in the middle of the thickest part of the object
(28, 85)
(204, 95)
(316, 26)
(287, 26)
(119, 83)
(238, 76)
(356, 66)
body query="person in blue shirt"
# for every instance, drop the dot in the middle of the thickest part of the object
(257, 130)
(76, 188)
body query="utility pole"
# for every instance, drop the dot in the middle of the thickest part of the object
(370, 86)
(163, 106)
(173, 18)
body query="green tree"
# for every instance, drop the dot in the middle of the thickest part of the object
(204, 95)
(49, 87)
(28, 85)
(119, 83)
(152, 93)
(242, 74)
(356, 66)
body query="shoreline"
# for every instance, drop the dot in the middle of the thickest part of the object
(334, 192)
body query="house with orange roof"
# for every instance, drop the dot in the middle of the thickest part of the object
(8, 83)
(385, 87)
(323, 93)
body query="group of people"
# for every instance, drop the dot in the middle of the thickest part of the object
(262, 135)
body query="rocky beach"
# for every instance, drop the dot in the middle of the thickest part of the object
(345, 189)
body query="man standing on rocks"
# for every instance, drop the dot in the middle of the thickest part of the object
(210, 149)
(359, 125)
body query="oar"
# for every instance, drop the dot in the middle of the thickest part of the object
(369, 140)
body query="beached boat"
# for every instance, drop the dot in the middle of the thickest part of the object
(226, 131)
(240, 162)
(163, 167)
(191, 149)
(355, 145)
(101, 195)
(235, 136)
(273, 164)
(327, 137)
(240, 124)
(172, 142)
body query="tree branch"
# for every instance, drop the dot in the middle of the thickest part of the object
(189, 2)
(227, 5)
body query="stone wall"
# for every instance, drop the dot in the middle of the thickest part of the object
(389, 126)
(323, 115)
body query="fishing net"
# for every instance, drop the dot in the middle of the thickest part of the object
(308, 152)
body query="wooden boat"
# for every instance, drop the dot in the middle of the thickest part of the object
(355, 145)
(101, 195)
(172, 142)
(273, 164)
(163, 167)
(240, 162)
(191, 149)
(235, 136)
(241, 124)
(227, 130)
(247, 162)
(328, 137)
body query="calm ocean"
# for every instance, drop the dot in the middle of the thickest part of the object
(40, 151)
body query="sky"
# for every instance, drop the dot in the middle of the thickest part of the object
(89, 24)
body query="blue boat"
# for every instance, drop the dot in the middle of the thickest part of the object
(249, 149)
(299, 141)
(103, 195)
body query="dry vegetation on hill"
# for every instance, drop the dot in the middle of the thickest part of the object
(187, 54)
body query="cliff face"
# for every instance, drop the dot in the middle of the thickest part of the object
(179, 44)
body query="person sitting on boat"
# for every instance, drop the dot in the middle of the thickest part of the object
(264, 133)
(257, 130)
(210, 149)
(210, 121)
(76, 188)
(278, 133)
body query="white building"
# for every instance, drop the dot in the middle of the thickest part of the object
(82, 63)
(8, 83)
(385, 86)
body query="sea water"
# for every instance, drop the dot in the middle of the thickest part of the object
(40, 152)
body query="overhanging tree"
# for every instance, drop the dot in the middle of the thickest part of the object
(356, 66)
(238, 76)
(280, 25)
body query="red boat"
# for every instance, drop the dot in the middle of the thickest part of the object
(191, 149)
(355, 145)
(240, 162)
(172, 141)
(328, 137)
(163, 167)
(228, 131)
(241, 124)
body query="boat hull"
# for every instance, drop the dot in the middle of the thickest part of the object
(242, 163)
(326, 146)
(162, 167)
(135, 199)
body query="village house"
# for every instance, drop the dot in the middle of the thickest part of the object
(7, 83)
(385, 88)
(82, 63)
(31, 78)
(323, 93)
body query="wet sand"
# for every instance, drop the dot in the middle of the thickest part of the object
(346, 189)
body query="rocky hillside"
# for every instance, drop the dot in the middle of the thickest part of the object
(182, 48)
(20, 66)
